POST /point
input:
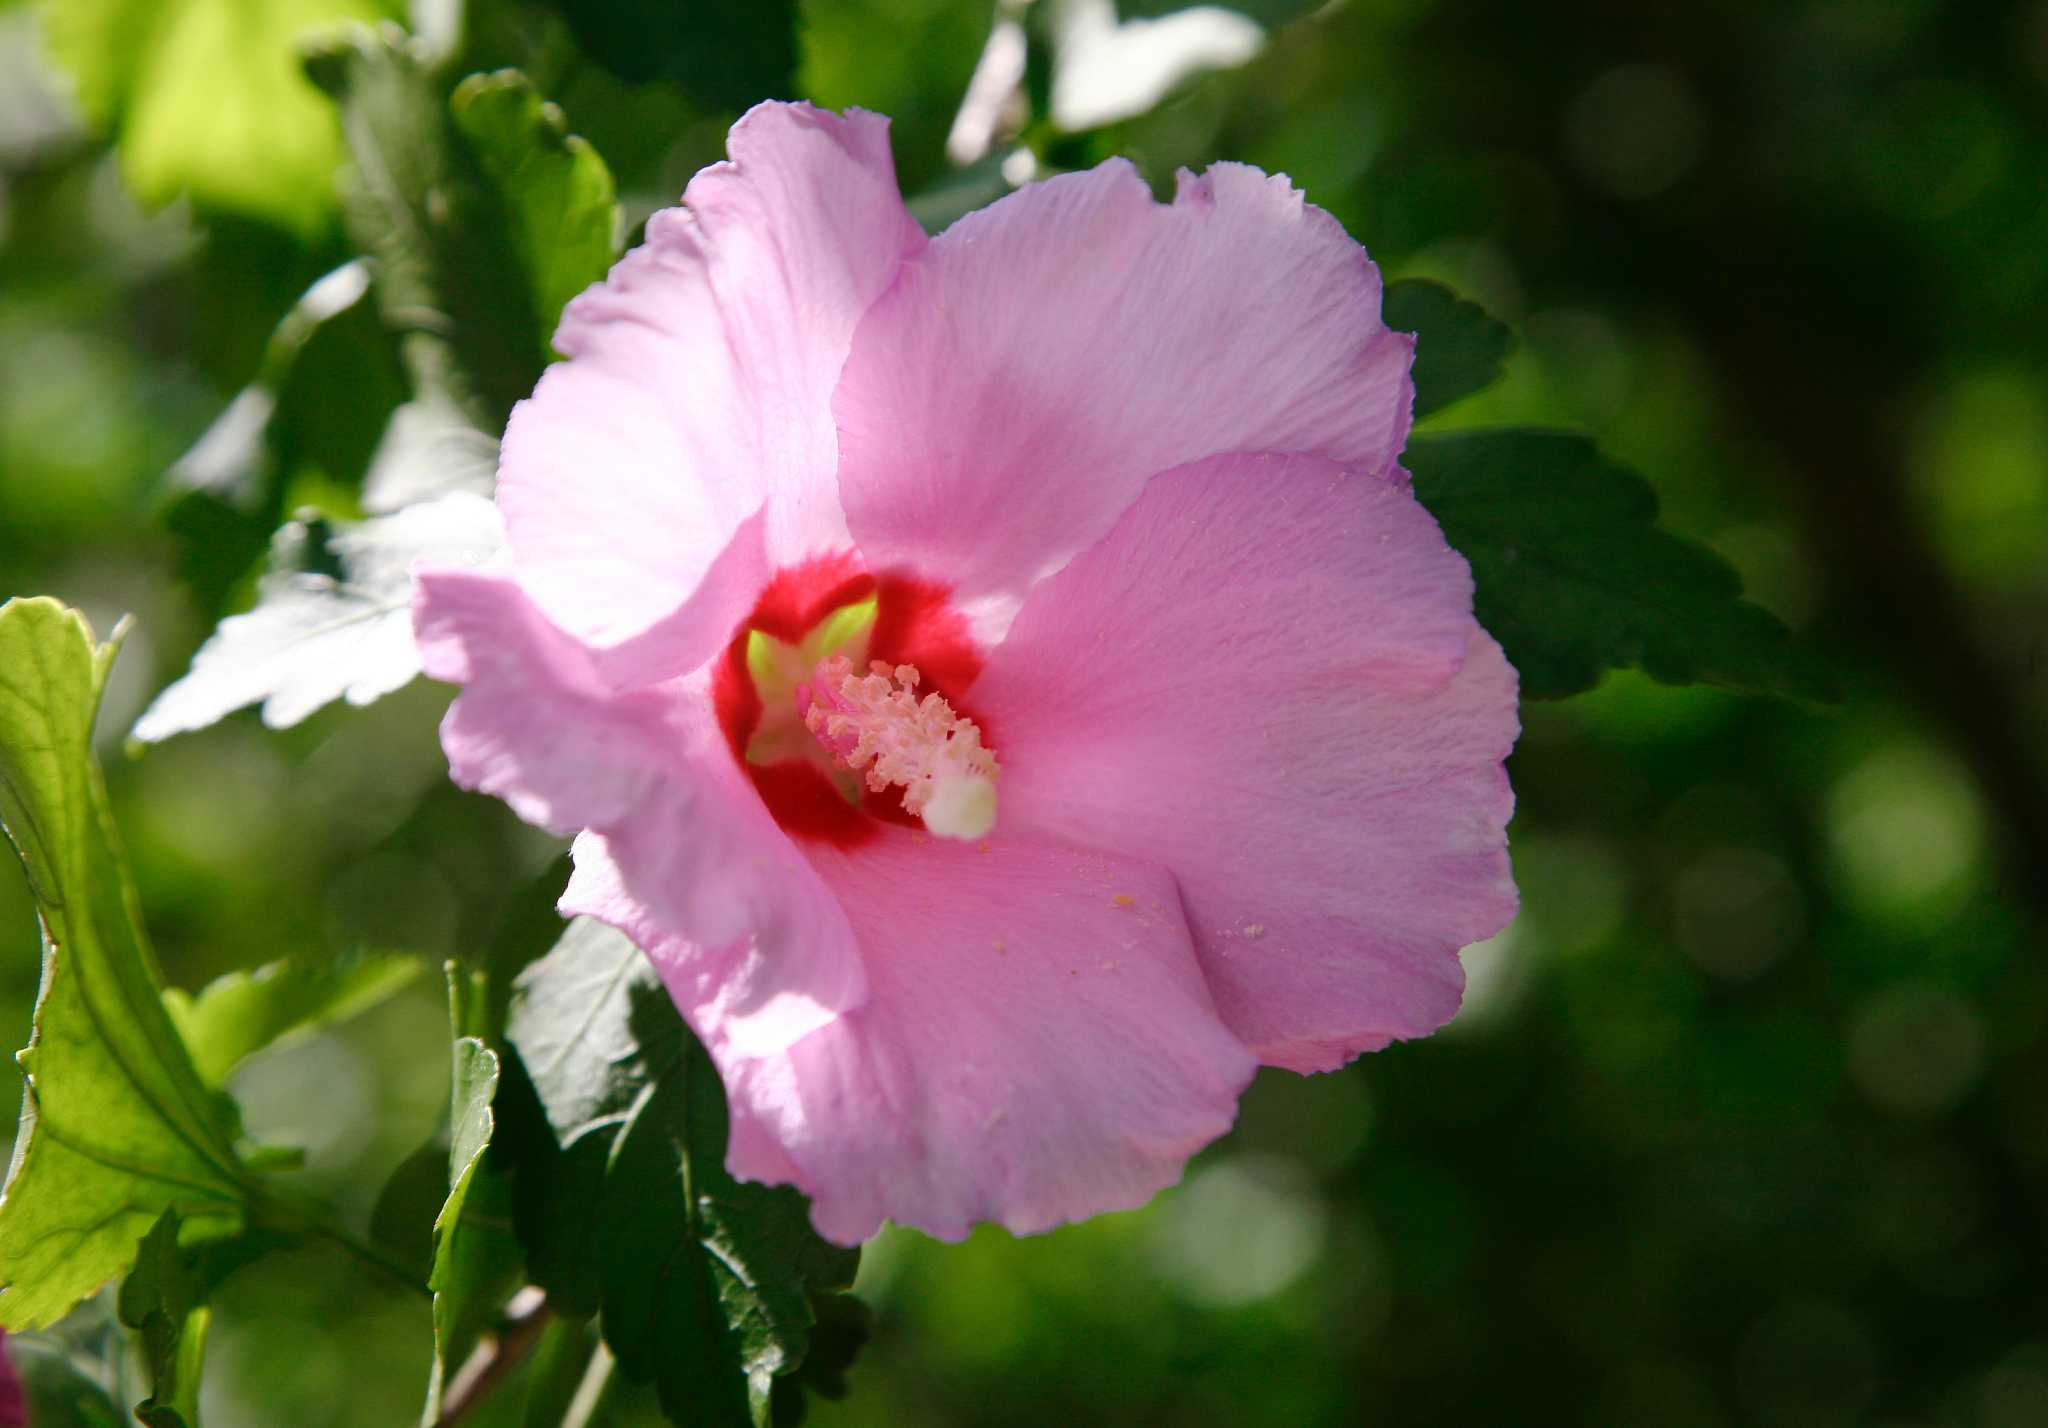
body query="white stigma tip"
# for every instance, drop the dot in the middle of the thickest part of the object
(961, 806)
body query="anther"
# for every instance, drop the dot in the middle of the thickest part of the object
(876, 723)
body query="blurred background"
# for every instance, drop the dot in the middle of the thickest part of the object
(1745, 1120)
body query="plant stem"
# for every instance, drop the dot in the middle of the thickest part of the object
(593, 1393)
(496, 1358)
(296, 1214)
(370, 1255)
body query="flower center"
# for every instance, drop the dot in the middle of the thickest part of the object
(916, 767)
(876, 722)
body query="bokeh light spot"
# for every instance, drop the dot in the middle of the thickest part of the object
(1239, 1231)
(1916, 1048)
(1905, 832)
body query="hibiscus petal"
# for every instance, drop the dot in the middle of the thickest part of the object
(680, 845)
(536, 724)
(1037, 1044)
(699, 379)
(1267, 679)
(1048, 354)
(772, 953)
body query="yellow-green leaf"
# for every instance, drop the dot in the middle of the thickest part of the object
(207, 97)
(243, 1012)
(116, 1125)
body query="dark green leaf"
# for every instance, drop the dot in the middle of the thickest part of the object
(528, 926)
(1458, 349)
(728, 54)
(1574, 577)
(1270, 13)
(234, 462)
(417, 201)
(402, 1220)
(706, 1285)
(117, 1125)
(243, 1012)
(559, 192)
(572, 1024)
(164, 1300)
(661, 1312)
(226, 494)
(843, 1329)
(476, 1257)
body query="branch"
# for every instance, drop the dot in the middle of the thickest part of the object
(496, 1357)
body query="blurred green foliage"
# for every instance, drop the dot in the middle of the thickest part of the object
(207, 98)
(1744, 1120)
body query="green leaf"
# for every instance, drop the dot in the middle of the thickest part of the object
(476, 1256)
(843, 1329)
(315, 637)
(226, 494)
(661, 1309)
(402, 1220)
(233, 461)
(206, 97)
(706, 1285)
(1574, 577)
(445, 239)
(1270, 13)
(727, 54)
(116, 1124)
(164, 1300)
(571, 1021)
(484, 217)
(564, 209)
(958, 192)
(243, 1012)
(1459, 350)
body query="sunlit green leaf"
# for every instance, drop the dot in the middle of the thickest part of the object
(1575, 578)
(314, 636)
(207, 97)
(559, 192)
(476, 1257)
(243, 1012)
(1458, 349)
(117, 1125)
(706, 1285)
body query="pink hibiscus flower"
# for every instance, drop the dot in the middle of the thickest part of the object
(1003, 681)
